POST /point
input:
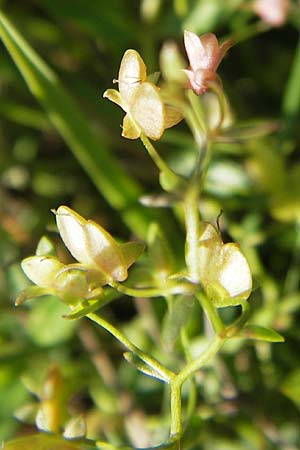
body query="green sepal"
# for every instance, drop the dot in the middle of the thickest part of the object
(260, 333)
(30, 293)
(144, 368)
(131, 251)
(153, 77)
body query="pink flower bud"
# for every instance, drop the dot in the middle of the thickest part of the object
(273, 12)
(205, 55)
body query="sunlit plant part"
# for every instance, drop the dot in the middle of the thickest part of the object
(93, 247)
(223, 269)
(141, 100)
(101, 260)
(205, 55)
(50, 276)
(273, 12)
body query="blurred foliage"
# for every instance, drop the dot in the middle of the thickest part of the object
(250, 399)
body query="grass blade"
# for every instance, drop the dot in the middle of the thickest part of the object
(115, 185)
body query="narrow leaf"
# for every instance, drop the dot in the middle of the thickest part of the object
(260, 333)
(144, 368)
(118, 188)
(44, 441)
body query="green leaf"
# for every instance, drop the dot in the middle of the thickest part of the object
(175, 319)
(291, 386)
(291, 99)
(246, 131)
(227, 178)
(43, 441)
(119, 189)
(144, 368)
(159, 252)
(45, 318)
(96, 19)
(260, 333)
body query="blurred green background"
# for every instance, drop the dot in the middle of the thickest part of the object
(60, 144)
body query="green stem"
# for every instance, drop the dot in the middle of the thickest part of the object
(193, 390)
(192, 221)
(162, 166)
(166, 374)
(215, 345)
(239, 323)
(195, 117)
(183, 288)
(187, 372)
(176, 414)
(211, 312)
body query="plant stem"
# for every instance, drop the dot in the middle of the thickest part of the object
(192, 220)
(159, 162)
(215, 345)
(177, 382)
(211, 312)
(166, 374)
(176, 414)
(184, 288)
(191, 200)
(239, 322)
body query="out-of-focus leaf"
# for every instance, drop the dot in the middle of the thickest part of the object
(246, 131)
(150, 9)
(291, 98)
(96, 18)
(118, 189)
(46, 325)
(160, 255)
(43, 441)
(205, 15)
(175, 319)
(227, 178)
(291, 386)
(144, 368)
(24, 115)
(260, 333)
